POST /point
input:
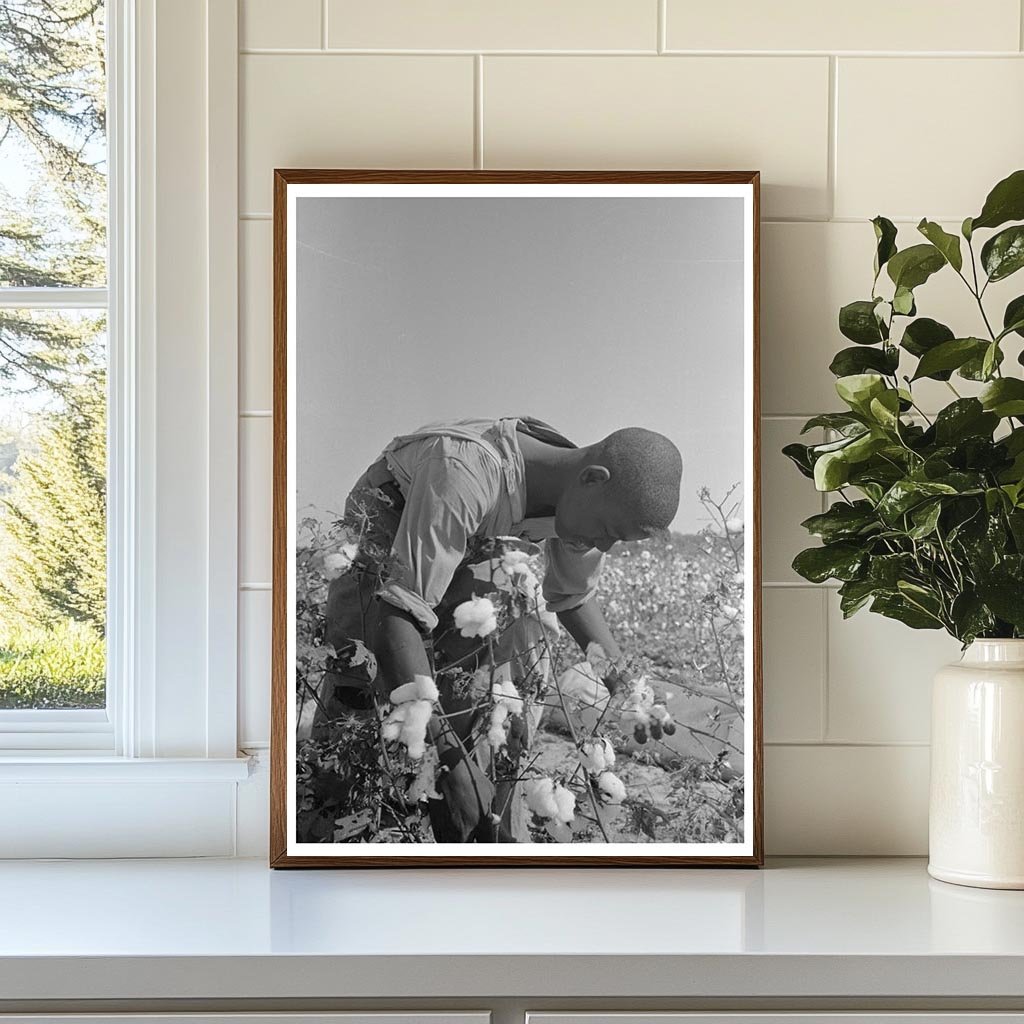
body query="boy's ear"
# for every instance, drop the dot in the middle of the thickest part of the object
(594, 475)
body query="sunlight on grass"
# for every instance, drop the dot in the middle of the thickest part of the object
(61, 667)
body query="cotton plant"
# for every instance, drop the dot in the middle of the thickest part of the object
(643, 715)
(652, 594)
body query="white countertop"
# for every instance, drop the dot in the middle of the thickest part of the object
(233, 928)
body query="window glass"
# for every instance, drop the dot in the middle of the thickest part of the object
(53, 225)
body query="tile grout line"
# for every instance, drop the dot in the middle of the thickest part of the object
(833, 134)
(478, 111)
(823, 683)
(323, 24)
(257, 51)
(851, 744)
(662, 29)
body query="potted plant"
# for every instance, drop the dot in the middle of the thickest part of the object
(926, 519)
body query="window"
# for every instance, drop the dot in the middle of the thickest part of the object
(154, 310)
(53, 370)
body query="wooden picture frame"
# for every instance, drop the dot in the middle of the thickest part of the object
(286, 850)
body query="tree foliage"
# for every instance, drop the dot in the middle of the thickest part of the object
(52, 127)
(53, 235)
(53, 519)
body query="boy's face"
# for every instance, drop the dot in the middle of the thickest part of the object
(588, 515)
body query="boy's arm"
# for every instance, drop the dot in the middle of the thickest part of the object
(586, 624)
(398, 645)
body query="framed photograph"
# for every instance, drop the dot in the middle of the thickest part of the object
(516, 614)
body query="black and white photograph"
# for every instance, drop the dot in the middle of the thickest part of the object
(515, 497)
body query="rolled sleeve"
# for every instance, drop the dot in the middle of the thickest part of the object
(446, 501)
(571, 578)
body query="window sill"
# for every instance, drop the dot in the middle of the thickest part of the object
(79, 806)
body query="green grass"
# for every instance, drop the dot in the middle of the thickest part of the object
(60, 667)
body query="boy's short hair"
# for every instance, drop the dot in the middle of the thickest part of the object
(646, 470)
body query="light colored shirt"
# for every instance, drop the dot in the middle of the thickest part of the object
(462, 480)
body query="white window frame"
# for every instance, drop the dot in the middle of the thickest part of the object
(169, 735)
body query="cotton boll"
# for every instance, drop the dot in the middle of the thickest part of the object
(659, 713)
(421, 688)
(392, 727)
(515, 562)
(503, 690)
(558, 830)
(476, 617)
(407, 723)
(414, 731)
(341, 560)
(638, 693)
(497, 734)
(734, 525)
(540, 797)
(584, 694)
(611, 788)
(597, 754)
(565, 801)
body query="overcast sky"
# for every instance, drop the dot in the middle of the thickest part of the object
(590, 313)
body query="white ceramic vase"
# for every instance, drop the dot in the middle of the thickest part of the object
(976, 815)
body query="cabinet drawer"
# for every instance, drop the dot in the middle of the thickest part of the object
(358, 1017)
(785, 1017)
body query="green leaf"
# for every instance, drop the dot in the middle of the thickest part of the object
(887, 570)
(855, 594)
(990, 360)
(857, 321)
(924, 334)
(974, 368)
(799, 455)
(1013, 317)
(843, 521)
(925, 518)
(866, 445)
(885, 236)
(841, 421)
(849, 361)
(1005, 596)
(1003, 254)
(1005, 202)
(1004, 397)
(842, 561)
(950, 355)
(885, 409)
(947, 244)
(899, 608)
(970, 617)
(858, 389)
(965, 229)
(906, 494)
(831, 471)
(966, 417)
(903, 302)
(912, 267)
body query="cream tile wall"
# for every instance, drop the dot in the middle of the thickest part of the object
(909, 109)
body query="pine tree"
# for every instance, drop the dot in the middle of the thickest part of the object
(52, 122)
(53, 519)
